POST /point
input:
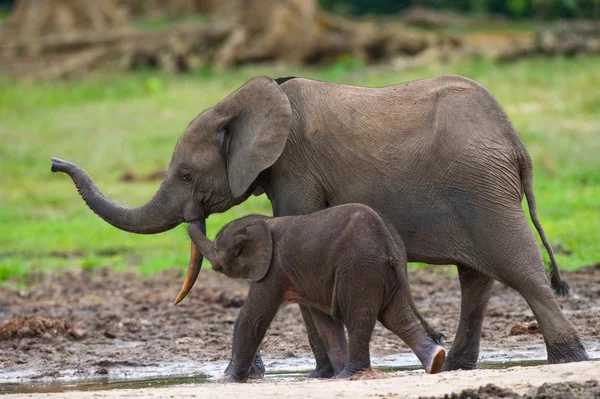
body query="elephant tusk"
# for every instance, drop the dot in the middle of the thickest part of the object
(192, 274)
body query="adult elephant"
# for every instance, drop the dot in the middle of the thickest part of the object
(438, 156)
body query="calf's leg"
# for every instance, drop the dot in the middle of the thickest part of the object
(398, 317)
(332, 333)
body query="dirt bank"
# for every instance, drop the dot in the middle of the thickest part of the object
(108, 321)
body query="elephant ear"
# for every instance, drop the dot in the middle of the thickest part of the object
(255, 253)
(258, 121)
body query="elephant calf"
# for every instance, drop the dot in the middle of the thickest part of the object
(345, 263)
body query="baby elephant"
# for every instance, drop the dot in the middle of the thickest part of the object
(344, 262)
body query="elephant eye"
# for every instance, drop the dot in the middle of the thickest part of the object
(238, 251)
(185, 175)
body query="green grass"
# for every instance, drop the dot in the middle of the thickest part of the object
(110, 124)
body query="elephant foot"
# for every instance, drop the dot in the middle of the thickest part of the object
(457, 365)
(350, 371)
(569, 352)
(436, 364)
(465, 361)
(229, 379)
(322, 372)
(257, 370)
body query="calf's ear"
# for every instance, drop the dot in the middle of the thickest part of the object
(254, 255)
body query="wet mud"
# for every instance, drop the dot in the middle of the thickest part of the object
(101, 324)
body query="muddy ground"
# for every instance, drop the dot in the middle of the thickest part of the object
(558, 381)
(92, 322)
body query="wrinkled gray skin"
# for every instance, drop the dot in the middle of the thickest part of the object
(344, 263)
(438, 156)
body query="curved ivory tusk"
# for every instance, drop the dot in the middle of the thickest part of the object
(192, 274)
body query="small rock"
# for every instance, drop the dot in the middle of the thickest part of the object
(78, 333)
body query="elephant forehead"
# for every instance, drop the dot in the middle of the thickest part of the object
(203, 129)
(221, 242)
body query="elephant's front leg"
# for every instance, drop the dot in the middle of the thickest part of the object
(334, 339)
(325, 368)
(251, 325)
(257, 370)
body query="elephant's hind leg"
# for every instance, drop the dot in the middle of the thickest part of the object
(475, 294)
(514, 257)
(526, 274)
(399, 317)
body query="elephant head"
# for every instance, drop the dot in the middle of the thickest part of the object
(214, 166)
(243, 249)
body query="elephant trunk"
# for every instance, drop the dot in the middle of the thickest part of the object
(151, 218)
(200, 246)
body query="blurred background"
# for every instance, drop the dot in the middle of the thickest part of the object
(111, 85)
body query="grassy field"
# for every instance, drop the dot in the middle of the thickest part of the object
(110, 124)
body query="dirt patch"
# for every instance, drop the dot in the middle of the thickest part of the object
(130, 319)
(525, 328)
(39, 327)
(561, 390)
(490, 391)
(369, 374)
(568, 390)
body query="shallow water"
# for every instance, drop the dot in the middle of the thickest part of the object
(286, 369)
(107, 383)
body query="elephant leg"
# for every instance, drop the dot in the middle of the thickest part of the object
(400, 317)
(521, 267)
(325, 368)
(257, 370)
(360, 323)
(563, 344)
(332, 333)
(251, 325)
(475, 294)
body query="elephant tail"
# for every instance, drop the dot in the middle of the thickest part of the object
(560, 287)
